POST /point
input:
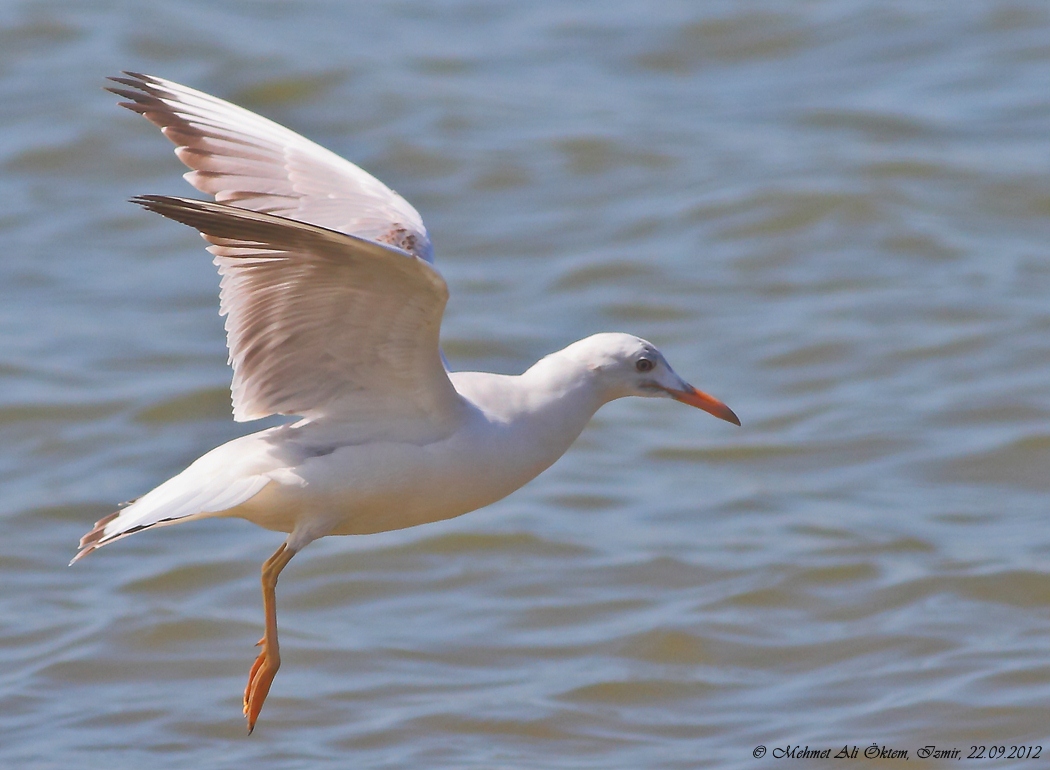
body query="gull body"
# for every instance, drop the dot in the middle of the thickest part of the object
(333, 313)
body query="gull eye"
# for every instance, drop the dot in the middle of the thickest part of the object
(644, 365)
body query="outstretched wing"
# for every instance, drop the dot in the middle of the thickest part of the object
(322, 323)
(253, 163)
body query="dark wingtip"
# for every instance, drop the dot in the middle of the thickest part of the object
(133, 80)
(141, 89)
(154, 202)
(125, 93)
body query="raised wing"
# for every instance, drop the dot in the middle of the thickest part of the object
(253, 163)
(321, 323)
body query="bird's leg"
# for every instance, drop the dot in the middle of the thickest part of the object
(265, 667)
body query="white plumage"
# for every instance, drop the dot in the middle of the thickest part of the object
(333, 313)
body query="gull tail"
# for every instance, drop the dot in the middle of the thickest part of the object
(128, 521)
(205, 489)
(89, 542)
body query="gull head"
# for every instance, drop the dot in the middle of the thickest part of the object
(625, 365)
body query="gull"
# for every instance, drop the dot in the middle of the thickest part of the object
(333, 312)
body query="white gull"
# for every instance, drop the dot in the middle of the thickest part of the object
(333, 314)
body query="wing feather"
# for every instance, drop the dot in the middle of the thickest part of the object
(320, 322)
(244, 159)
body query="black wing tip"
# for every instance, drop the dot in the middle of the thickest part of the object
(134, 78)
(146, 201)
(136, 99)
(164, 204)
(149, 198)
(209, 218)
(142, 97)
(144, 87)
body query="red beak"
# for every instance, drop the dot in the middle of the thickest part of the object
(708, 403)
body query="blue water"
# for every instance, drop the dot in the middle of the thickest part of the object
(834, 216)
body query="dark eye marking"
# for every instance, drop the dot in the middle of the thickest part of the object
(644, 365)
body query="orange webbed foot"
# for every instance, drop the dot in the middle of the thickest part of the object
(259, 680)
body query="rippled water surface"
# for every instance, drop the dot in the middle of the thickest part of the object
(834, 215)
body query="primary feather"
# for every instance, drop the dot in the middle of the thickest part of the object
(246, 160)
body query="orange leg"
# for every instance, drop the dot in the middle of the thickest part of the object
(265, 667)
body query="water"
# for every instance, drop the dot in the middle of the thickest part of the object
(833, 215)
